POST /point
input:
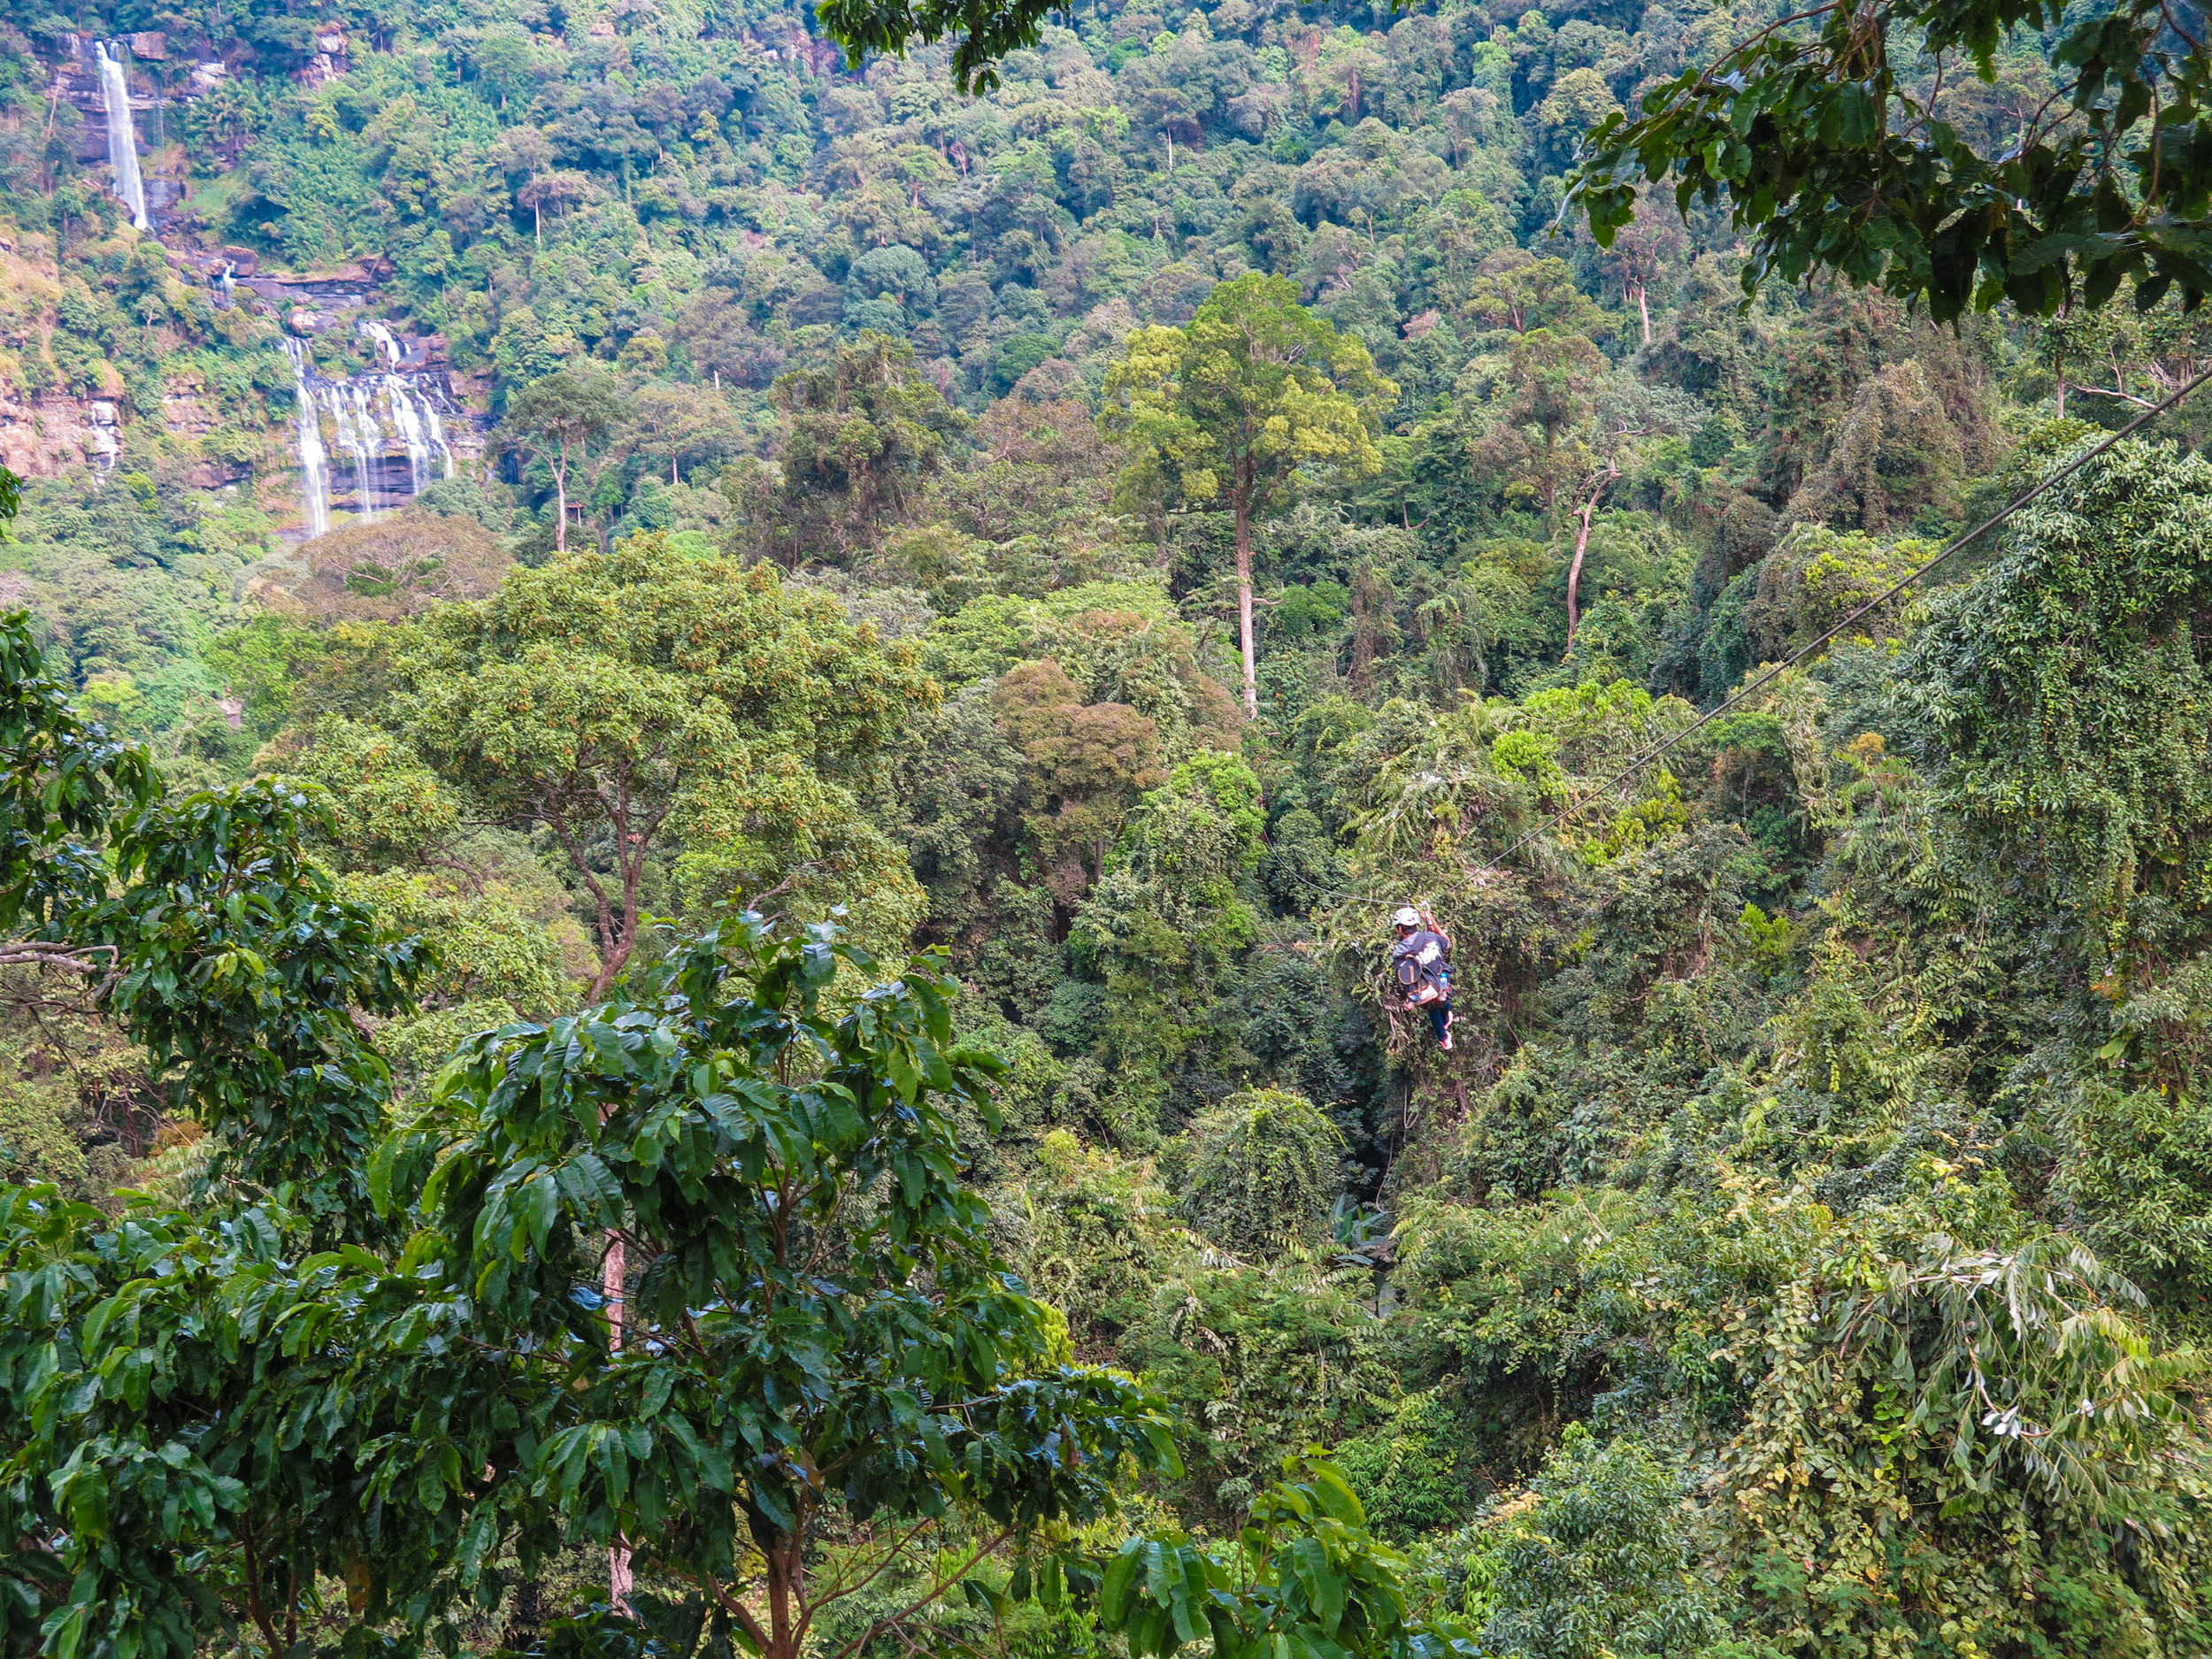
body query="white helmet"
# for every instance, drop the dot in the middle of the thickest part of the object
(1405, 915)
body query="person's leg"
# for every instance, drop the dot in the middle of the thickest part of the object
(1440, 1021)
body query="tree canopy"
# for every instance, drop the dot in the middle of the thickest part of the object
(619, 698)
(1227, 407)
(749, 1009)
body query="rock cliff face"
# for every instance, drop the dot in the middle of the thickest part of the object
(44, 430)
(68, 398)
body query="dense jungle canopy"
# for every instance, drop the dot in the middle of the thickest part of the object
(709, 717)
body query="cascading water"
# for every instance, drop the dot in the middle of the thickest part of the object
(307, 430)
(357, 431)
(408, 419)
(122, 137)
(390, 346)
(437, 438)
(367, 415)
(413, 402)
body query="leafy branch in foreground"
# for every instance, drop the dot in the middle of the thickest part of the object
(1304, 1578)
(1837, 153)
(817, 1341)
(982, 31)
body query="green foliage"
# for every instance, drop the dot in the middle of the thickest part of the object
(617, 698)
(1414, 1474)
(239, 970)
(1252, 387)
(786, 1352)
(171, 1388)
(493, 962)
(187, 1386)
(980, 34)
(862, 435)
(65, 779)
(1994, 1395)
(1601, 1563)
(1808, 1092)
(1261, 1166)
(2066, 690)
(1302, 1576)
(1165, 927)
(1802, 134)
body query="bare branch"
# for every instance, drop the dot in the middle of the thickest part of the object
(937, 1588)
(51, 954)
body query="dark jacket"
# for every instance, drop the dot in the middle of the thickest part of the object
(1422, 959)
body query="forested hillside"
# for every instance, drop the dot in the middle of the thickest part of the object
(575, 540)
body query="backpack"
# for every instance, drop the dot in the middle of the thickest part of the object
(1422, 972)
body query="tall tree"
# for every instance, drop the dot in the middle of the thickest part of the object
(1626, 416)
(557, 419)
(619, 699)
(1228, 407)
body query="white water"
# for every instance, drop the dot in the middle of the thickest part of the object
(369, 415)
(414, 410)
(408, 419)
(122, 137)
(437, 437)
(357, 431)
(308, 434)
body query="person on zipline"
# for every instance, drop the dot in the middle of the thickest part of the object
(1421, 960)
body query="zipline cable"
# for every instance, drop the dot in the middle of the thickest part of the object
(1640, 761)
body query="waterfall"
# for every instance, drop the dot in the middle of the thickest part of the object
(307, 428)
(437, 437)
(413, 402)
(122, 139)
(357, 431)
(390, 346)
(366, 414)
(408, 419)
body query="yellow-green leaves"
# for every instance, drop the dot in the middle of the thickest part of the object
(1250, 388)
(1230, 406)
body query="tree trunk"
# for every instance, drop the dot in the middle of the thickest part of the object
(1244, 606)
(1643, 310)
(783, 1633)
(1574, 570)
(560, 503)
(613, 1271)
